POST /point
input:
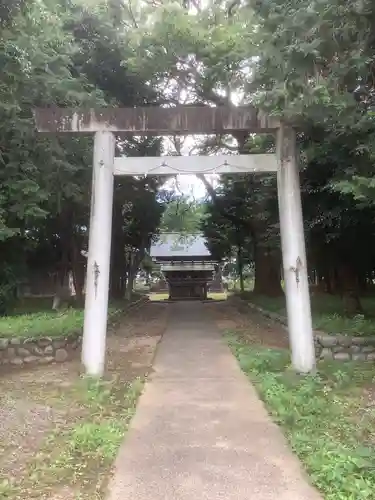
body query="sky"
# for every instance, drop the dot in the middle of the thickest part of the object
(189, 185)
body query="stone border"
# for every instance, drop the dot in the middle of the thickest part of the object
(45, 350)
(339, 347)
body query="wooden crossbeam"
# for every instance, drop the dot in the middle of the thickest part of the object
(154, 120)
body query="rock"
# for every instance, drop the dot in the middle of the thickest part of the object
(21, 351)
(75, 337)
(61, 355)
(49, 349)
(344, 341)
(3, 344)
(30, 359)
(15, 341)
(75, 344)
(45, 360)
(359, 341)
(35, 349)
(11, 352)
(338, 348)
(318, 353)
(371, 356)
(45, 341)
(327, 340)
(57, 344)
(317, 343)
(368, 349)
(359, 357)
(342, 356)
(273, 316)
(326, 353)
(16, 361)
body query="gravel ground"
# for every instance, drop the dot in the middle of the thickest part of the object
(33, 402)
(255, 328)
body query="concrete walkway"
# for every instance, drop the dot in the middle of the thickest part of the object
(200, 431)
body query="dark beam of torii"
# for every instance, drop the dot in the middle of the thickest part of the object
(152, 120)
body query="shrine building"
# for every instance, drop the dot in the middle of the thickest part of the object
(186, 264)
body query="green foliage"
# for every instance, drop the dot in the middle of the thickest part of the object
(336, 323)
(328, 313)
(319, 415)
(45, 324)
(92, 441)
(59, 54)
(202, 52)
(312, 63)
(313, 56)
(81, 448)
(183, 216)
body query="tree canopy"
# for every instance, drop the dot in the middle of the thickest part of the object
(310, 63)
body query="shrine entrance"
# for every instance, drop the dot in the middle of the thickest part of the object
(185, 120)
(186, 264)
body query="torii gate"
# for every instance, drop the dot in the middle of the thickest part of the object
(184, 120)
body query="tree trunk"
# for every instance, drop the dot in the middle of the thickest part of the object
(363, 282)
(61, 292)
(130, 284)
(349, 290)
(333, 281)
(133, 266)
(240, 268)
(267, 272)
(78, 270)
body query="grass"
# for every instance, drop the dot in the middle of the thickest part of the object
(32, 318)
(81, 453)
(323, 417)
(328, 314)
(45, 324)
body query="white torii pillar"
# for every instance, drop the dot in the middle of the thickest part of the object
(301, 337)
(98, 261)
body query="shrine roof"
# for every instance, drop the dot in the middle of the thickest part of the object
(176, 245)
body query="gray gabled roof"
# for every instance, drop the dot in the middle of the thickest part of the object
(176, 245)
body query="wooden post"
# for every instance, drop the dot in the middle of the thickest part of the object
(294, 253)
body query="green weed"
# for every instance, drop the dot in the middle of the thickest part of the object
(335, 323)
(328, 313)
(82, 454)
(320, 416)
(7, 489)
(41, 324)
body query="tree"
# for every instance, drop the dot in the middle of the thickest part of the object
(182, 215)
(202, 55)
(59, 54)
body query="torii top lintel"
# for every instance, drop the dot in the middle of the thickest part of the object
(153, 120)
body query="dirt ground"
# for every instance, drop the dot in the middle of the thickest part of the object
(33, 402)
(37, 402)
(232, 315)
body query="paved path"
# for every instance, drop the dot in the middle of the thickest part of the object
(200, 431)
